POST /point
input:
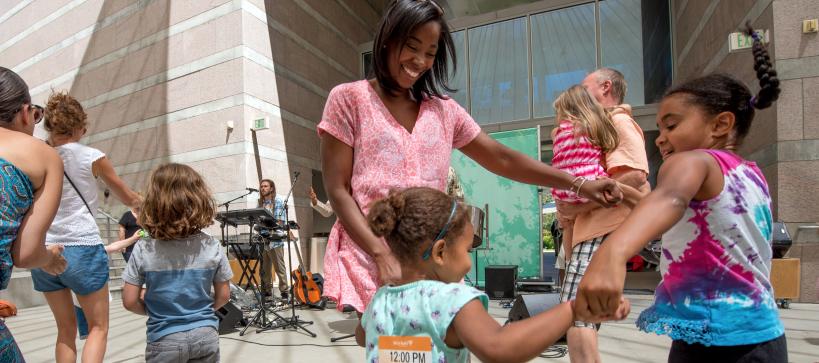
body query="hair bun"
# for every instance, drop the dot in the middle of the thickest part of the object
(385, 213)
(397, 201)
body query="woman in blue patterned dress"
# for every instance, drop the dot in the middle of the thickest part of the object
(31, 178)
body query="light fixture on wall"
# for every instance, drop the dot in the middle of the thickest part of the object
(810, 26)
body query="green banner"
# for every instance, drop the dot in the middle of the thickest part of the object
(514, 218)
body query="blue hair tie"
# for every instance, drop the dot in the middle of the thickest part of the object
(428, 252)
(752, 102)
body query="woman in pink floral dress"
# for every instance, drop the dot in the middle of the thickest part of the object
(397, 131)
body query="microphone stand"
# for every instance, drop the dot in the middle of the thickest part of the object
(293, 321)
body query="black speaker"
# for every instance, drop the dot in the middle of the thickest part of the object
(532, 304)
(229, 315)
(500, 281)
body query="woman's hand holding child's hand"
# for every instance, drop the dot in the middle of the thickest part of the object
(603, 191)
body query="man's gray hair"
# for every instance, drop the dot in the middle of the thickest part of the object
(619, 87)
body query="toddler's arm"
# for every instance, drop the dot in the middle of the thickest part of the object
(120, 245)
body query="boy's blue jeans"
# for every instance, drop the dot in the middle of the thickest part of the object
(198, 345)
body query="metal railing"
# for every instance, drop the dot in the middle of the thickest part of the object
(111, 226)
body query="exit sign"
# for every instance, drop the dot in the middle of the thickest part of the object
(740, 41)
(260, 123)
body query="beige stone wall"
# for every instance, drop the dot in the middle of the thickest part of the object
(160, 80)
(784, 139)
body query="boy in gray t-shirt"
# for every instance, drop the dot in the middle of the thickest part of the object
(178, 276)
(178, 264)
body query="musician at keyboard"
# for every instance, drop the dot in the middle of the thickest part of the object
(272, 254)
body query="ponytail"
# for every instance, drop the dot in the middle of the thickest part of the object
(717, 93)
(765, 73)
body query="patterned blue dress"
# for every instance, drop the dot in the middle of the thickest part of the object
(16, 196)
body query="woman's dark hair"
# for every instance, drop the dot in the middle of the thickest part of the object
(717, 93)
(13, 94)
(400, 19)
(411, 218)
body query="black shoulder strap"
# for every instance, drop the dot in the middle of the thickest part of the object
(78, 193)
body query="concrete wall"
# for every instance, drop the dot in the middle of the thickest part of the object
(784, 139)
(297, 50)
(161, 79)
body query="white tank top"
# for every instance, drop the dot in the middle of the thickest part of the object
(73, 225)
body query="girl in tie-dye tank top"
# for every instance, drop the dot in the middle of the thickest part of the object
(713, 210)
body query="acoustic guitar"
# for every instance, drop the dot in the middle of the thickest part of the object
(305, 289)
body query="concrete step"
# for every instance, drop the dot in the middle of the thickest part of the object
(118, 261)
(115, 271)
(115, 287)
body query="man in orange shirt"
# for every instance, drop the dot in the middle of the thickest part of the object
(627, 164)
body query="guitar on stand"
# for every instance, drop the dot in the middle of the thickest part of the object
(305, 288)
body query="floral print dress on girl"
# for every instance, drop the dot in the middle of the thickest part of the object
(420, 308)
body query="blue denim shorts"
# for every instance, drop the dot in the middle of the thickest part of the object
(87, 271)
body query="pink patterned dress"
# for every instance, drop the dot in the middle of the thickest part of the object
(385, 156)
(576, 155)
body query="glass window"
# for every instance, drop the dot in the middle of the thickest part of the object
(563, 52)
(621, 44)
(635, 41)
(499, 75)
(457, 79)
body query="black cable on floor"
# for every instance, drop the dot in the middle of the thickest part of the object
(292, 345)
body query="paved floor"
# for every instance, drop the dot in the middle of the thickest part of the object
(35, 331)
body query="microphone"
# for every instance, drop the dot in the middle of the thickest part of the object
(296, 173)
(252, 190)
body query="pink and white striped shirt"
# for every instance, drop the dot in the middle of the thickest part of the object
(576, 155)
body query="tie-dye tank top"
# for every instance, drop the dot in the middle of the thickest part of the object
(716, 265)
